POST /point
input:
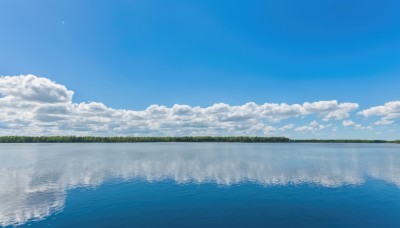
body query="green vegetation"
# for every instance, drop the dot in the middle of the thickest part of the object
(91, 139)
(242, 139)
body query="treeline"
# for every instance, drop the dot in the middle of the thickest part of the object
(128, 139)
(93, 139)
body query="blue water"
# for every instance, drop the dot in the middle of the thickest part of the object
(200, 185)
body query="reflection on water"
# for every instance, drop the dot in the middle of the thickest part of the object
(34, 178)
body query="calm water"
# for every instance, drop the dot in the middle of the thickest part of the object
(200, 185)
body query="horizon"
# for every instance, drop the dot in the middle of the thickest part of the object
(326, 70)
(234, 138)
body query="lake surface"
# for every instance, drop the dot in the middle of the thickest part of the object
(200, 185)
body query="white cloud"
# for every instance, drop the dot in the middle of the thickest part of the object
(311, 127)
(31, 105)
(384, 121)
(30, 88)
(348, 123)
(287, 127)
(331, 109)
(388, 112)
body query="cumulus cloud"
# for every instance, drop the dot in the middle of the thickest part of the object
(32, 105)
(350, 123)
(331, 109)
(388, 112)
(30, 88)
(311, 127)
(286, 127)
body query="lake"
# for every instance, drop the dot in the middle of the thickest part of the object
(200, 185)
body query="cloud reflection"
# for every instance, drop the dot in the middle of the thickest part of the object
(34, 179)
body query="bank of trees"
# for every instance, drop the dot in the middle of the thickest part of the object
(94, 139)
(128, 139)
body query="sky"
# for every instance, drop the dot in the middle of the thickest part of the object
(302, 69)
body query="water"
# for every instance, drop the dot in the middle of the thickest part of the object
(200, 185)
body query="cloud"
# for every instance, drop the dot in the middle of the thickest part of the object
(388, 112)
(348, 123)
(313, 126)
(32, 105)
(30, 88)
(287, 127)
(331, 109)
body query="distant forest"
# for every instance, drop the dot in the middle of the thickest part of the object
(240, 139)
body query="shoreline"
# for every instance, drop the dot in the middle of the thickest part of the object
(188, 139)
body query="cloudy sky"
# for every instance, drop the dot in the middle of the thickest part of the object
(309, 69)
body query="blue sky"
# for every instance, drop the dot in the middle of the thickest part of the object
(133, 54)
